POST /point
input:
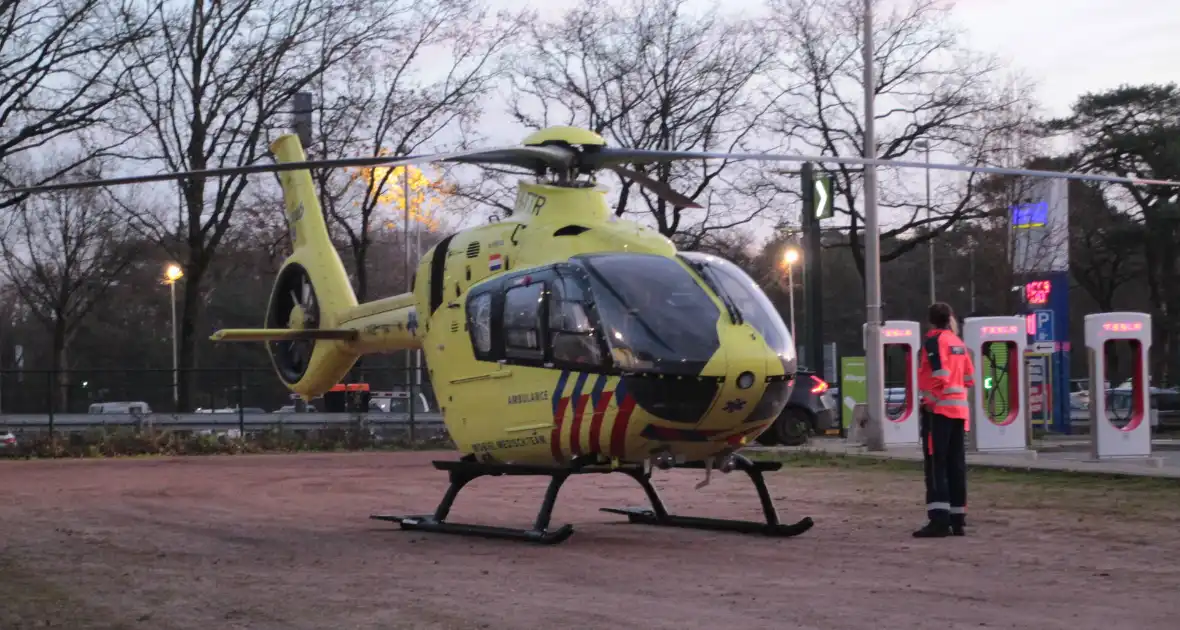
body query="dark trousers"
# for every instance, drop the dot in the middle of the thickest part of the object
(945, 458)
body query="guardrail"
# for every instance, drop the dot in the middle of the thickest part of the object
(215, 421)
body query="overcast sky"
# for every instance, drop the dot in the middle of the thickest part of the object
(1074, 46)
(1067, 46)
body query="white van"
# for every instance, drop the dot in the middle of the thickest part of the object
(395, 402)
(138, 408)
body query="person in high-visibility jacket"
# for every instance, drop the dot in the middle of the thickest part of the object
(945, 372)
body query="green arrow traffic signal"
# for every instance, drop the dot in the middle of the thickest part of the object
(823, 197)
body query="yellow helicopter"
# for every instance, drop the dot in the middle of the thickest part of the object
(561, 340)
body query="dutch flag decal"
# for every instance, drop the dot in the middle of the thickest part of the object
(495, 262)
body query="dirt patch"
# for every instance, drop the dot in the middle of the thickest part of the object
(284, 541)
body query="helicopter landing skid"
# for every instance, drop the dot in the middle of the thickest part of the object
(658, 514)
(462, 473)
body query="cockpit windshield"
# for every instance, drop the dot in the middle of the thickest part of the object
(742, 293)
(655, 316)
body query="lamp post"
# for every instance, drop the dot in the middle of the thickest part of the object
(790, 257)
(925, 146)
(971, 269)
(171, 275)
(409, 275)
(874, 352)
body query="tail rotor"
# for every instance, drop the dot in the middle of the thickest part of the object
(293, 306)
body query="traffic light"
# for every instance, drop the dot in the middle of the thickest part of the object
(821, 207)
(301, 116)
(988, 383)
(817, 204)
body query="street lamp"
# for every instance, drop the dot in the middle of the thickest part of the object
(171, 275)
(925, 146)
(790, 257)
(874, 352)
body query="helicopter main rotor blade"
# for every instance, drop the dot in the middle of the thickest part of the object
(284, 334)
(608, 157)
(532, 158)
(661, 189)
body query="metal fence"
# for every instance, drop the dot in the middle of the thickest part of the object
(255, 389)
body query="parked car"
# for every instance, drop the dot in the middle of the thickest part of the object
(894, 401)
(1164, 411)
(810, 411)
(10, 445)
(137, 407)
(309, 408)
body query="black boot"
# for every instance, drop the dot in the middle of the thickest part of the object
(934, 529)
(959, 524)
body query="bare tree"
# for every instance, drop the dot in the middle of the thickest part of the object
(652, 75)
(927, 88)
(1133, 131)
(211, 87)
(424, 92)
(1105, 245)
(62, 251)
(57, 80)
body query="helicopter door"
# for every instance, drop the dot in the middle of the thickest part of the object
(543, 319)
(522, 321)
(574, 342)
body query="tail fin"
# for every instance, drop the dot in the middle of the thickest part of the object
(311, 296)
(309, 232)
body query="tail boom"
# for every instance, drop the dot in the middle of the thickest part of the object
(380, 326)
(384, 325)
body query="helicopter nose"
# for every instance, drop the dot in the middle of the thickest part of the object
(759, 375)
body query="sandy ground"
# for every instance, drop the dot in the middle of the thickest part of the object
(283, 541)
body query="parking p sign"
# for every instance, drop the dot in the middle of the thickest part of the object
(1044, 321)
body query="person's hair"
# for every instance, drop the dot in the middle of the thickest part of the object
(940, 315)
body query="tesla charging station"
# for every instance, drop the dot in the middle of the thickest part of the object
(997, 346)
(902, 430)
(1134, 439)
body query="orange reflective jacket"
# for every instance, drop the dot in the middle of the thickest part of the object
(944, 374)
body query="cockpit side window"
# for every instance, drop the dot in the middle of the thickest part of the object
(479, 311)
(572, 335)
(522, 322)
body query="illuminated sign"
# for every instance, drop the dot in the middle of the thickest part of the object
(1030, 215)
(896, 332)
(1122, 326)
(1030, 324)
(1037, 291)
(999, 330)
